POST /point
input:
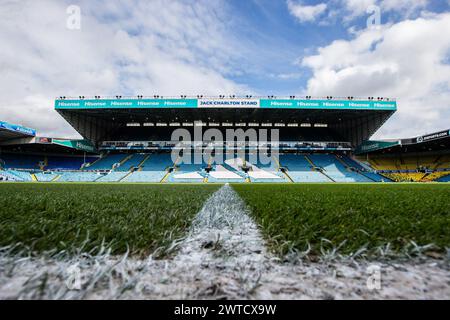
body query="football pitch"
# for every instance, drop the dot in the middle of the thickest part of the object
(141, 218)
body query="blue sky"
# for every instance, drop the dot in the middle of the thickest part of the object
(262, 47)
(279, 40)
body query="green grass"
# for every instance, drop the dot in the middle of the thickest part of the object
(372, 215)
(57, 216)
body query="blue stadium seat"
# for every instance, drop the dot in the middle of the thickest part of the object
(45, 177)
(79, 176)
(300, 170)
(107, 162)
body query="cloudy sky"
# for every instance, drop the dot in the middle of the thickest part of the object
(212, 47)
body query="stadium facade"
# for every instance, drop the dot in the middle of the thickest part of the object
(215, 140)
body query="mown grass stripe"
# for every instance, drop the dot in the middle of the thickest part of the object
(354, 215)
(140, 218)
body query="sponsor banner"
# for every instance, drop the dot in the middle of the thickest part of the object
(328, 104)
(126, 103)
(225, 103)
(17, 128)
(228, 103)
(82, 145)
(433, 136)
(369, 146)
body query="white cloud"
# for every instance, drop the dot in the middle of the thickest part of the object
(357, 8)
(305, 13)
(407, 60)
(163, 47)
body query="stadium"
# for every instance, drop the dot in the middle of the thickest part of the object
(247, 151)
(130, 140)
(230, 185)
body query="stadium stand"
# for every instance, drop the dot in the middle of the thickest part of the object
(186, 170)
(79, 176)
(108, 161)
(299, 169)
(133, 162)
(445, 178)
(46, 176)
(223, 175)
(18, 161)
(435, 176)
(145, 176)
(335, 169)
(153, 169)
(16, 175)
(66, 163)
(316, 141)
(113, 176)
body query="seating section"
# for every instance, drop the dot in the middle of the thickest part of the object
(80, 176)
(142, 167)
(422, 168)
(300, 169)
(67, 163)
(187, 170)
(224, 175)
(158, 162)
(133, 162)
(145, 176)
(15, 175)
(335, 169)
(16, 161)
(445, 178)
(436, 176)
(411, 163)
(107, 162)
(113, 176)
(46, 177)
(154, 169)
(267, 171)
(406, 177)
(363, 169)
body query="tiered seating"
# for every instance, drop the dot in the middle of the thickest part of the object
(264, 172)
(23, 175)
(158, 162)
(145, 176)
(153, 170)
(406, 177)
(188, 172)
(436, 176)
(363, 169)
(113, 176)
(384, 164)
(443, 162)
(66, 163)
(376, 177)
(107, 162)
(335, 169)
(300, 170)
(444, 178)
(133, 162)
(45, 177)
(410, 162)
(222, 174)
(80, 176)
(15, 175)
(17, 161)
(353, 163)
